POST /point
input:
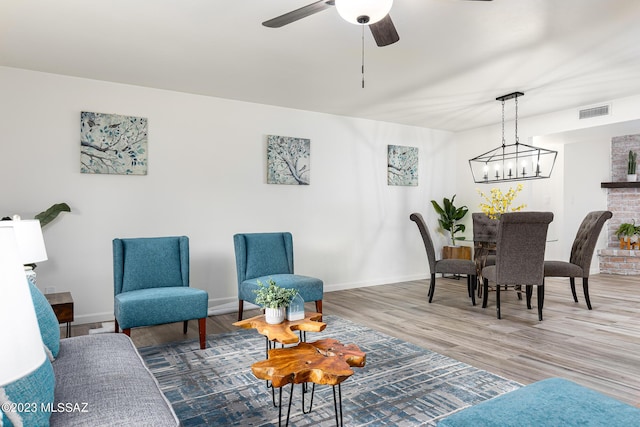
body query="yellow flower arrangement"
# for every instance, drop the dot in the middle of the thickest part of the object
(498, 203)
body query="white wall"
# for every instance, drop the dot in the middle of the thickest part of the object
(583, 162)
(206, 179)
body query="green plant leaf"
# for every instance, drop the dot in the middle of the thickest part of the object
(50, 214)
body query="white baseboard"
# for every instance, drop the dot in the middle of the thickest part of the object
(230, 305)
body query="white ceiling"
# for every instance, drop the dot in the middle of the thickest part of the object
(453, 59)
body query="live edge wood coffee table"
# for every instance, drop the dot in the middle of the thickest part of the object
(326, 362)
(283, 332)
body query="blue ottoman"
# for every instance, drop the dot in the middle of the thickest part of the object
(553, 402)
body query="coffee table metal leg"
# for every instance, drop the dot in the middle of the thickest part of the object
(313, 389)
(280, 406)
(337, 403)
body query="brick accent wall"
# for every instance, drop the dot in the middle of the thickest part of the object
(624, 203)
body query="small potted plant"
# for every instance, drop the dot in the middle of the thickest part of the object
(632, 176)
(628, 234)
(274, 300)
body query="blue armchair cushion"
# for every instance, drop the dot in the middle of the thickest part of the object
(33, 393)
(159, 256)
(47, 321)
(155, 306)
(309, 288)
(267, 254)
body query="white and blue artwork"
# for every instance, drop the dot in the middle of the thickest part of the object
(288, 160)
(113, 144)
(402, 165)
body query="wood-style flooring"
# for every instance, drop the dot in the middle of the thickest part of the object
(599, 349)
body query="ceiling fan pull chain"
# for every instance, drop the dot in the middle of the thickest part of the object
(362, 56)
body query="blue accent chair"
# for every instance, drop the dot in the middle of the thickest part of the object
(260, 256)
(151, 285)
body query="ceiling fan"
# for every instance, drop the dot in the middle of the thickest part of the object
(374, 14)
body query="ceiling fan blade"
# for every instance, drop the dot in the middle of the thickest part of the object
(298, 14)
(384, 32)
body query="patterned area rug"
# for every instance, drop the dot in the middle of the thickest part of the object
(401, 384)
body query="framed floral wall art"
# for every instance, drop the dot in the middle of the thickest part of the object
(113, 144)
(402, 165)
(288, 160)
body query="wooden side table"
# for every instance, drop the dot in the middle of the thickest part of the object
(62, 304)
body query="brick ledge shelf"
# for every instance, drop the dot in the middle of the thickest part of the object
(619, 261)
(620, 184)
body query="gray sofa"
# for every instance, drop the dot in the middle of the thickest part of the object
(102, 381)
(90, 380)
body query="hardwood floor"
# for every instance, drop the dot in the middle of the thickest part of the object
(599, 349)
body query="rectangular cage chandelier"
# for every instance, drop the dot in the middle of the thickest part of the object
(512, 162)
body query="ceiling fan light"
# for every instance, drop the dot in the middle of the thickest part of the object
(357, 11)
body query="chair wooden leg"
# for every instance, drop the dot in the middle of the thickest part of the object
(472, 288)
(202, 332)
(498, 301)
(432, 286)
(117, 328)
(319, 306)
(240, 308)
(585, 288)
(540, 300)
(485, 292)
(127, 332)
(572, 281)
(529, 292)
(185, 326)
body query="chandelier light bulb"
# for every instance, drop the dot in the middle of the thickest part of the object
(363, 12)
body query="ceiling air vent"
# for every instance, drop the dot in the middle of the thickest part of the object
(588, 113)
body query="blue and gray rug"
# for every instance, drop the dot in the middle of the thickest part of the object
(401, 385)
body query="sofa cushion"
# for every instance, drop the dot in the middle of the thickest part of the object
(31, 398)
(47, 321)
(106, 377)
(552, 402)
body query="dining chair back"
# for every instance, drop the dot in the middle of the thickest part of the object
(582, 250)
(521, 243)
(444, 266)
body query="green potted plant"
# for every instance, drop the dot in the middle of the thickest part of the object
(274, 300)
(628, 234)
(631, 166)
(450, 216)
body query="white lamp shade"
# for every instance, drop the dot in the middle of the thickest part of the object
(21, 347)
(351, 10)
(28, 234)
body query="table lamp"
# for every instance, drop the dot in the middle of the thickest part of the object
(22, 349)
(30, 242)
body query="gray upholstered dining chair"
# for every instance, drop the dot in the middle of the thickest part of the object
(582, 250)
(485, 229)
(521, 242)
(445, 266)
(485, 233)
